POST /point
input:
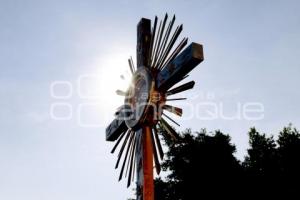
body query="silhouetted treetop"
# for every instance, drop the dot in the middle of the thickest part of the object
(202, 166)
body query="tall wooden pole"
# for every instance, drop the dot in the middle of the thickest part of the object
(145, 183)
(148, 189)
(144, 151)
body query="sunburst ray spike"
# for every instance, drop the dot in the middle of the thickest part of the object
(157, 140)
(169, 130)
(156, 161)
(118, 142)
(176, 99)
(181, 88)
(173, 109)
(126, 155)
(132, 164)
(171, 119)
(121, 93)
(122, 149)
(153, 32)
(130, 155)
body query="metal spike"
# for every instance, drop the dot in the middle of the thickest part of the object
(132, 164)
(130, 154)
(169, 129)
(155, 49)
(164, 132)
(152, 40)
(119, 140)
(172, 42)
(160, 37)
(178, 49)
(171, 119)
(157, 140)
(166, 49)
(121, 93)
(164, 42)
(181, 88)
(122, 149)
(130, 66)
(173, 109)
(156, 161)
(176, 99)
(126, 155)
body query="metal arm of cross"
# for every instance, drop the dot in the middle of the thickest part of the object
(135, 125)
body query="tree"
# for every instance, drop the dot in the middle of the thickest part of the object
(202, 166)
(201, 163)
(289, 154)
(261, 164)
(262, 155)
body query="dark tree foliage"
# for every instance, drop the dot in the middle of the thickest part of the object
(199, 165)
(203, 166)
(261, 164)
(289, 159)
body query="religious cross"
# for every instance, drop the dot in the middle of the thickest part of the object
(138, 122)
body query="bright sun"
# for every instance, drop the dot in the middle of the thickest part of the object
(113, 75)
(97, 88)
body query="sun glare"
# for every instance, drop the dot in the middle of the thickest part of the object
(98, 86)
(113, 75)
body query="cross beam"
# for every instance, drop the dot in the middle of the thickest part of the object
(186, 61)
(170, 74)
(143, 42)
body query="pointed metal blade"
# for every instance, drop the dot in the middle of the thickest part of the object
(121, 93)
(130, 66)
(156, 161)
(122, 149)
(176, 99)
(118, 142)
(171, 44)
(181, 88)
(177, 50)
(173, 109)
(126, 155)
(152, 40)
(155, 48)
(132, 163)
(130, 154)
(171, 119)
(162, 50)
(169, 129)
(159, 40)
(157, 140)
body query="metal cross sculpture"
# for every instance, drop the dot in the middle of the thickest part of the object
(137, 123)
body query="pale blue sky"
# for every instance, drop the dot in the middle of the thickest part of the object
(251, 55)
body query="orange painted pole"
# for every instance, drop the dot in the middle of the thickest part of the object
(148, 185)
